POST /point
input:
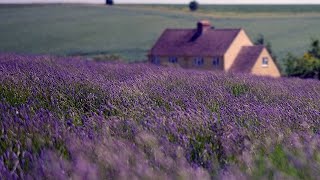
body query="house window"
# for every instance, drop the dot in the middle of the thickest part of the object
(173, 59)
(265, 61)
(216, 61)
(198, 61)
(155, 60)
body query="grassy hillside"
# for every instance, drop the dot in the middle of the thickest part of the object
(70, 118)
(246, 9)
(131, 31)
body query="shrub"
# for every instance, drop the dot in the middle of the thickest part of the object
(193, 5)
(307, 66)
(109, 2)
(314, 49)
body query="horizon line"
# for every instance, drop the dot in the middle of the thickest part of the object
(133, 3)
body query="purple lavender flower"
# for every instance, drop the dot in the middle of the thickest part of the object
(74, 118)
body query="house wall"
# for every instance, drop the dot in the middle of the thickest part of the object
(270, 70)
(188, 63)
(241, 40)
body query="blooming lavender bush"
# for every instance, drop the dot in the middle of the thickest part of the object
(71, 118)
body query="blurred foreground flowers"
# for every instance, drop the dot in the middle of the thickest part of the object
(71, 118)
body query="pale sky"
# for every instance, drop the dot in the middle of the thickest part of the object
(171, 1)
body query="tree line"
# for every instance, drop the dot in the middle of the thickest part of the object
(193, 5)
(307, 65)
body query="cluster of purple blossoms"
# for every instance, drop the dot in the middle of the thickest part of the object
(67, 118)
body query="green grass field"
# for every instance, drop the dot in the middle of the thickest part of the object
(130, 31)
(245, 9)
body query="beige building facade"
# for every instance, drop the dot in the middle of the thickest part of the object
(269, 69)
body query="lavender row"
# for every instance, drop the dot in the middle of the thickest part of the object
(73, 118)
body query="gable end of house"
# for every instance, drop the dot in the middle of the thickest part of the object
(235, 47)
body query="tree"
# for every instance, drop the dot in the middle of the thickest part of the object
(193, 5)
(304, 67)
(314, 49)
(109, 2)
(259, 40)
(307, 66)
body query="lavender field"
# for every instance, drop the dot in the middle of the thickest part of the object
(67, 118)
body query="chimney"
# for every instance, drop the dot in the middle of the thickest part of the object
(203, 26)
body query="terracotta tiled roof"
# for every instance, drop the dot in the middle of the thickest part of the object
(186, 42)
(246, 58)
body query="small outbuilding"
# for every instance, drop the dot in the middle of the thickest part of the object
(206, 47)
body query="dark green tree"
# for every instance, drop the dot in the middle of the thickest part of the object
(259, 40)
(307, 66)
(109, 2)
(193, 5)
(314, 49)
